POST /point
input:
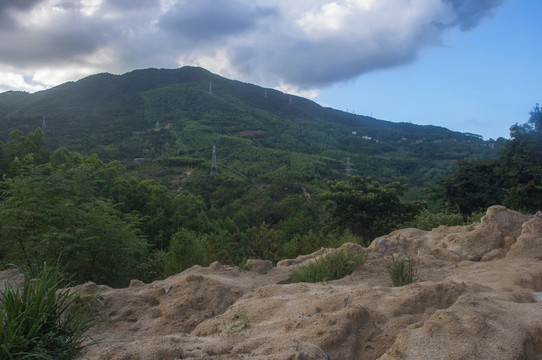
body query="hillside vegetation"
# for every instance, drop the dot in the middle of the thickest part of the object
(259, 133)
(123, 163)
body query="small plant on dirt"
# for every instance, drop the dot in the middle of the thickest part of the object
(402, 272)
(238, 325)
(43, 320)
(330, 267)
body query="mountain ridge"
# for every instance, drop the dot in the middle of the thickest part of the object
(164, 113)
(129, 83)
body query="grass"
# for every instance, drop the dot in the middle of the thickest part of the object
(402, 272)
(238, 325)
(330, 267)
(428, 220)
(43, 320)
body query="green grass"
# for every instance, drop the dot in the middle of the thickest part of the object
(238, 325)
(428, 220)
(330, 267)
(43, 320)
(402, 272)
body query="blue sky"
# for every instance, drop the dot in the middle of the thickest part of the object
(481, 81)
(468, 65)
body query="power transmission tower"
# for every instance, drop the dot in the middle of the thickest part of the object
(211, 88)
(214, 167)
(43, 125)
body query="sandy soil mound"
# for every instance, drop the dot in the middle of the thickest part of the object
(477, 298)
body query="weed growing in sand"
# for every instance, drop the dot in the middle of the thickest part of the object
(43, 320)
(402, 272)
(237, 325)
(330, 267)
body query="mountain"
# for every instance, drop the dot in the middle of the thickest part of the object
(176, 115)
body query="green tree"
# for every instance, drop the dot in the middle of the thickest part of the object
(513, 180)
(363, 207)
(187, 248)
(473, 186)
(521, 165)
(49, 212)
(21, 151)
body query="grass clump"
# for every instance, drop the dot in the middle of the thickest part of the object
(330, 267)
(43, 320)
(236, 326)
(402, 272)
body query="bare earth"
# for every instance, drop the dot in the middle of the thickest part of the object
(476, 299)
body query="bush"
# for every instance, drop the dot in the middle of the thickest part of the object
(428, 220)
(402, 272)
(42, 320)
(330, 267)
(187, 248)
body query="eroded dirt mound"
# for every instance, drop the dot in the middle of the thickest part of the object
(476, 299)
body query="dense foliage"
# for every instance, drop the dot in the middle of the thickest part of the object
(367, 209)
(133, 196)
(514, 179)
(168, 116)
(109, 226)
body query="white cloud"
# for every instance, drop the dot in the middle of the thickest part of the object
(16, 81)
(300, 46)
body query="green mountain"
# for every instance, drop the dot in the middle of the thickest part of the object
(161, 210)
(261, 135)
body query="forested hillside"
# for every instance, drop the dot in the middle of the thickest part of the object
(123, 162)
(159, 114)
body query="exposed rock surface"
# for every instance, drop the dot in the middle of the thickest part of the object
(476, 299)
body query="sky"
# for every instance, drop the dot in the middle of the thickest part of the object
(468, 65)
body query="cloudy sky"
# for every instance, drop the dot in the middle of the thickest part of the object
(468, 65)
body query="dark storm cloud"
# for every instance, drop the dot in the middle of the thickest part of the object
(306, 44)
(207, 20)
(70, 37)
(470, 13)
(8, 6)
(344, 39)
(17, 4)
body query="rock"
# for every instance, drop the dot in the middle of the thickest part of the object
(259, 266)
(493, 254)
(136, 283)
(509, 241)
(12, 276)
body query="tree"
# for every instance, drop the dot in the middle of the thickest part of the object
(513, 180)
(536, 118)
(20, 152)
(49, 212)
(363, 207)
(521, 165)
(473, 186)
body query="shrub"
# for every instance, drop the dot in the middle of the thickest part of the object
(402, 272)
(42, 320)
(330, 267)
(187, 248)
(428, 220)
